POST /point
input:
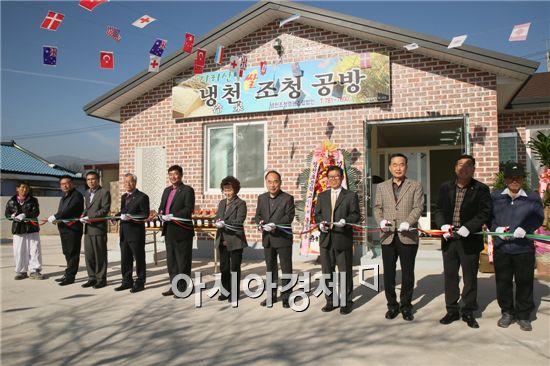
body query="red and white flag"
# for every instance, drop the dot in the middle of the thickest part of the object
(234, 64)
(457, 41)
(143, 21)
(189, 41)
(52, 20)
(243, 64)
(263, 67)
(154, 63)
(519, 33)
(199, 69)
(219, 55)
(91, 4)
(365, 61)
(411, 46)
(201, 57)
(106, 60)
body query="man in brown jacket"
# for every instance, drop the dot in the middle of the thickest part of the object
(399, 204)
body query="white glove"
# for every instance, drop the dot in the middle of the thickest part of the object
(219, 224)
(167, 217)
(20, 217)
(502, 229)
(84, 220)
(519, 233)
(323, 226)
(269, 227)
(13, 215)
(446, 231)
(446, 227)
(404, 226)
(463, 231)
(340, 223)
(51, 219)
(261, 226)
(125, 217)
(447, 235)
(385, 226)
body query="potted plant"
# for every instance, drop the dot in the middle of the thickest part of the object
(540, 145)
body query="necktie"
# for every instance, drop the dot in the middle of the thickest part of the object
(332, 204)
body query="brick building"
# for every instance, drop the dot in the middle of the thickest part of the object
(441, 102)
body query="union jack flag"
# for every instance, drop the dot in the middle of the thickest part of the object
(114, 33)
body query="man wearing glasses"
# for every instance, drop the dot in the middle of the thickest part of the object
(337, 208)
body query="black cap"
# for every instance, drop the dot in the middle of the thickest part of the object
(513, 170)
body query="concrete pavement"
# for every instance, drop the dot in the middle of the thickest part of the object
(45, 324)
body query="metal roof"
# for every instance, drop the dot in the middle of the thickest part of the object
(15, 159)
(512, 72)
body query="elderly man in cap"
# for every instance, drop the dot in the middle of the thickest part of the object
(517, 212)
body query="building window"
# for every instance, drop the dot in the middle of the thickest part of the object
(237, 150)
(507, 147)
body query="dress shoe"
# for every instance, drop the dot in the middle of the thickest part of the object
(449, 318)
(89, 283)
(505, 320)
(21, 276)
(122, 287)
(346, 309)
(168, 293)
(137, 288)
(286, 305)
(100, 284)
(273, 301)
(224, 298)
(328, 308)
(470, 320)
(525, 325)
(392, 313)
(407, 315)
(60, 279)
(66, 281)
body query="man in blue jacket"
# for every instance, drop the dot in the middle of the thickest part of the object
(520, 213)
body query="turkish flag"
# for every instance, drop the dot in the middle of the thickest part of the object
(188, 45)
(201, 57)
(91, 4)
(263, 67)
(106, 60)
(52, 20)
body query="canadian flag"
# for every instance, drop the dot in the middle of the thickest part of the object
(106, 60)
(519, 33)
(52, 20)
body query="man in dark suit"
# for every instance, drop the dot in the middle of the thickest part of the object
(276, 207)
(335, 208)
(97, 204)
(134, 209)
(178, 200)
(463, 207)
(70, 207)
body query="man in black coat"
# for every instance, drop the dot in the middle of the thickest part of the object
(464, 206)
(134, 209)
(335, 208)
(276, 207)
(70, 207)
(178, 201)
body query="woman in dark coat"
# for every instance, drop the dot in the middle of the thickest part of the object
(23, 209)
(230, 238)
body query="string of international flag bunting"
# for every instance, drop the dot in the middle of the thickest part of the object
(188, 224)
(237, 64)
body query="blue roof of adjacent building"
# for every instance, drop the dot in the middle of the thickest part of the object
(15, 159)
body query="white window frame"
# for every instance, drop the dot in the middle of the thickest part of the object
(234, 125)
(531, 131)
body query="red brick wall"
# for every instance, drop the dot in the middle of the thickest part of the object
(517, 121)
(420, 86)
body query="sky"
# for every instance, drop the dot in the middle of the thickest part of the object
(42, 106)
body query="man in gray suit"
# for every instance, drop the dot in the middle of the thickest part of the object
(336, 208)
(97, 203)
(399, 204)
(276, 207)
